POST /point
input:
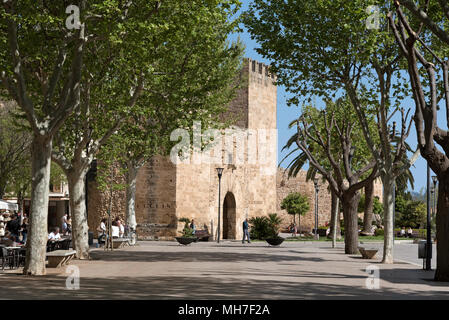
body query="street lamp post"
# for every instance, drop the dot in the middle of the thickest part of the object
(435, 181)
(220, 173)
(394, 208)
(432, 201)
(429, 237)
(315, 182)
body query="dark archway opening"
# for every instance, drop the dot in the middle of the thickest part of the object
(229, 217)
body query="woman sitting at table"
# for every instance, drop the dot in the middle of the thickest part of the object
(54, 235)
(115, 229)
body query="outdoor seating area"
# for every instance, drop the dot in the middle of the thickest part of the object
(59, 252)
(12, 257)
(62, 244)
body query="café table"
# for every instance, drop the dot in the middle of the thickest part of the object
(14, 251)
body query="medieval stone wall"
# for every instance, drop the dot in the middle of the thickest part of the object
(249, 163)
(286, 185)
(156, 193)
(167, 192)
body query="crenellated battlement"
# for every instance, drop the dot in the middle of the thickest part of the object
(259, 70)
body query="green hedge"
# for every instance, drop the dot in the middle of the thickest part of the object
(379, 232)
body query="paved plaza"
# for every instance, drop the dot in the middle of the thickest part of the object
(229, 270)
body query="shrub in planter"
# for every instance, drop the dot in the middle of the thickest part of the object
(379, 232)
(187, 236)
(274, 223)
(322, 231)
(264, 228)
(260, 228)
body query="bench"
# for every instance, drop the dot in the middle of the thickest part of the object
(202, 235)
(119, 243)
(368, 253)
(59, 258)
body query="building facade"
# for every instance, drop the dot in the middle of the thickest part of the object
(168, 190)
(251, 184)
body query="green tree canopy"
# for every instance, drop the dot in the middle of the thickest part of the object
(296, 203)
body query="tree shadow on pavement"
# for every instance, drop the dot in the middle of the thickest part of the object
(178, 287)
(411, 276)
(195, 256)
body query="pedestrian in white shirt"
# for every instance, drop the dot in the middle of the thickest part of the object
(115, 230)
(54, 235)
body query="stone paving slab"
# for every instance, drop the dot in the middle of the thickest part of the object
(229, 270)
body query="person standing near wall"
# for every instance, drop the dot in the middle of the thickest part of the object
(246, 231)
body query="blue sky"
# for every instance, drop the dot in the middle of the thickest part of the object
(286, 114)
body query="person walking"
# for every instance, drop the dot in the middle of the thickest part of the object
(193, 226)
(246, 231)
(294, 229)
(24, 230)
(64, 224)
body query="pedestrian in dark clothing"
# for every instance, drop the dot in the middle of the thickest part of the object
(13, 226)
(246, 231)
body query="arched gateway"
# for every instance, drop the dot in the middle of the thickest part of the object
(229, 217)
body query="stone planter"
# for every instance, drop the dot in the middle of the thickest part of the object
(185, 241)
(275, 241)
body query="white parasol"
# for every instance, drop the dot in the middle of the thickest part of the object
(5, 205)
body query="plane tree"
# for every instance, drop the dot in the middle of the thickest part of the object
(195, 79)
(334, 48)
(421, 32)
(295, 165)
(14, 145)
(165, 61)
(42, 58)
(329, 139)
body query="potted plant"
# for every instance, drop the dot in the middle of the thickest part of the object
(274, 223)
(187, 233)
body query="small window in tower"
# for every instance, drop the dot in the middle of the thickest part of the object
(260, 68)
(254, 66)
(230, 158)
(266, 71)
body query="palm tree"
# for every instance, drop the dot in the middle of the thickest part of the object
(296, 165)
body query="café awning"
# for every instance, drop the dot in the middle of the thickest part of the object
(5, 205)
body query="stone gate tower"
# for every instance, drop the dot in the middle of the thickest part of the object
(167, 191)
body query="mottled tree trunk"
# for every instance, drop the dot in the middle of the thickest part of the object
(76, 180)
(19, 202)
(368, 214)
(350, 204)
(442, 231)
(335, 221)
(2, 190)
(388, 206)
(131, 179)
(41, 148)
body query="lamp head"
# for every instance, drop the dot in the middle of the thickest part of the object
(220, 172)
(435, 180)
(315, 182)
